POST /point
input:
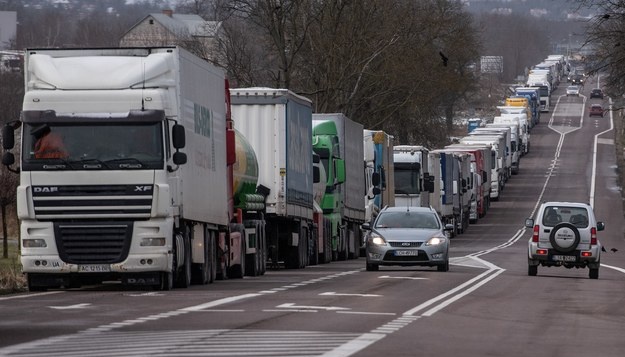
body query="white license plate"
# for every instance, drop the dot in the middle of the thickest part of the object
(564, 258)
(406, 253)
(94, 268)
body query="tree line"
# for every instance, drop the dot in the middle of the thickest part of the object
(403, 66)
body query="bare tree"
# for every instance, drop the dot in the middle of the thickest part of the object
(11, 95)
(606, 43)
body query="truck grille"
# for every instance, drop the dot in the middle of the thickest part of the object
(93, 242)
(92, 201)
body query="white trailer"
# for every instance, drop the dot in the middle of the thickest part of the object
(113, 196)
(278, 125)
(497, 146)
(411, 174)
(507, 143)
(515, 146)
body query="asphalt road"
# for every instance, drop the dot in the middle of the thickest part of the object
(486, 305)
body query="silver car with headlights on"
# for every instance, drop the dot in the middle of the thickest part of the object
(407, 236)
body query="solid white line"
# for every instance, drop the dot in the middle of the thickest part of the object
(448, 293)
(218, 302)
(358, 344)
(24, 296)
(612, 267)
(366, 313)
(445, 303)
(593, 180)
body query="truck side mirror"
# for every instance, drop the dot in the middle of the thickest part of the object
(8, 159)
(316, 174)
(428, 183)
(375, 179)
(339, 166)
(180, 158)
(178, 136)
(8, 137)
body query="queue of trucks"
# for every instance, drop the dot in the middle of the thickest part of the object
(167, 177)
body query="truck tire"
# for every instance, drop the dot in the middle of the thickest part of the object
(183, 275)
(313, 251)
(327, 243)
(212, 254)
(167, 281)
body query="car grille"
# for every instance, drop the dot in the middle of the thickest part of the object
(93, 242)
(390, 257)
(403, 244)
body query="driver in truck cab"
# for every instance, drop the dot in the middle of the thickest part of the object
(48, 145)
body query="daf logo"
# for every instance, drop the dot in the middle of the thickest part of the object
(46, 189)
(143, 188)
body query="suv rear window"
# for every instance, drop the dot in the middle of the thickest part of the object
(577, 216)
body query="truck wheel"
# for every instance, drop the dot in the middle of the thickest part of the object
(183, 276)
(313, 252)
(212, 256)
(167, 281)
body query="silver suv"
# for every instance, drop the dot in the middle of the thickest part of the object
(564, 234)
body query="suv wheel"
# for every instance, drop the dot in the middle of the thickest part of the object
(532, 270)
(564, 237)
(593, 273)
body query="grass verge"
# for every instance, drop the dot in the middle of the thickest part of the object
(11, 278)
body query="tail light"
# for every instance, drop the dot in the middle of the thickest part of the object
(593, 236)
(535, 234)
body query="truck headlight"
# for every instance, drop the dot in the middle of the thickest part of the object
(34, 243)
(152, 242)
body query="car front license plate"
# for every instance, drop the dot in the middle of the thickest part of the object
(94, 268)
(406, 253)
(564, 258)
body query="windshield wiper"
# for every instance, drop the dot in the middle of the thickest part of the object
(60, 164)
(127, 163)
(90, 163)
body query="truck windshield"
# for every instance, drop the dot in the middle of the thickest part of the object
(79, 146)
(406, 181)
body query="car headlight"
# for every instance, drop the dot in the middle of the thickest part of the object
(435, 241)
(376, 239)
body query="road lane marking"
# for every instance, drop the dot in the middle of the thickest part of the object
(331, 293)
(401, 277)
(327, 308)
(71, 307)
(24, 296)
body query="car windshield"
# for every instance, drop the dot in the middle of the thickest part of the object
(554, 215)
(407, 219)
